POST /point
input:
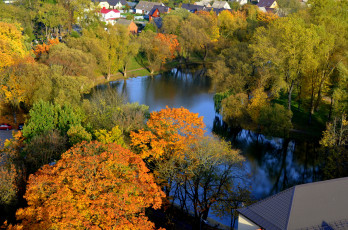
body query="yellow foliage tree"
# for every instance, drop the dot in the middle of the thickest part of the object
(12, 45)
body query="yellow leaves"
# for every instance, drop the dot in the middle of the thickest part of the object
(258, 100)
(12, 45)
(108, 137)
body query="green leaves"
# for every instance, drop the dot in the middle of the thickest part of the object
(45, 116)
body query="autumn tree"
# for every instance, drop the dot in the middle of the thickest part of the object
(266, 17)
(168, 132)
(45, 48)
(287, 46)
(92, 186)
(12, 45)
(107, 109)
(12, 177)
(155, 50)
(52, 16)
(73, 62)
(108, 137)
(205, 175)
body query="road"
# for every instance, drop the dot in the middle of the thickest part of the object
(4, 134)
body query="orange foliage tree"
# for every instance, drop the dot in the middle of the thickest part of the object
(169, 134)
(45, 48)
(169, 131)
(171, 41)
(266, 17)
(93, 186)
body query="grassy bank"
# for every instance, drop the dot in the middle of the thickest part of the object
(300, 118)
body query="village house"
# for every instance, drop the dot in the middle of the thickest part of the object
(241, 2)
(157, 11)
(267, 5)
(109, 16)
(110, 4)
(144, 7)
(193, 8)
(203, 3)
(220, 5)
(315, 206)
(131, 26)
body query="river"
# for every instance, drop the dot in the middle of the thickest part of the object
(273, 164)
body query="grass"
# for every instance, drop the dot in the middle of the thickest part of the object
(301, 116)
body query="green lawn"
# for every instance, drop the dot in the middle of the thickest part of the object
(301, 116)
(140, 70)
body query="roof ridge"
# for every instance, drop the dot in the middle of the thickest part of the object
(275, 195)
(321, 182)
(292, 198)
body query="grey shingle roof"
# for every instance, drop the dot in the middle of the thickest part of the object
(192, 8)
(307, 206)
(147, 6)
(265, 3)
(219, 4)
(158, 22)
(123, 22)
(161, 9)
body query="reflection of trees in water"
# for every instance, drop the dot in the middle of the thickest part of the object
(285, 162)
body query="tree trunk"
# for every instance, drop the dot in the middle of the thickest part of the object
(205, 52)
(311, 107)
(46, 32)
(125, 70)
(331, 105)
(14, 116)
(289, 94)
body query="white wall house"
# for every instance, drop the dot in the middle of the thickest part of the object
(242, 2)
(109, 16)
(245, 224)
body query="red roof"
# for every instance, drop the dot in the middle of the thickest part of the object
(105, 11)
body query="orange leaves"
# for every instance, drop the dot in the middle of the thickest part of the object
(171, 41)
(44, 48)
(170, 131)
(266, 17)
(93, 186)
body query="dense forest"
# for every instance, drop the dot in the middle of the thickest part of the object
(97, 161)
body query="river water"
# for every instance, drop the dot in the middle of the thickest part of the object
(273, 164)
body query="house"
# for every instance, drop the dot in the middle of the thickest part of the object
(241, 2)
(158, 22)
(109, 16)
(203, 3)
(132, 27)
(144, 7)
(156, 11)
(110, 4)
(193, 8)
(268, 4)
(221, 4)
(118, 4)
(320, 205)
(131, 4)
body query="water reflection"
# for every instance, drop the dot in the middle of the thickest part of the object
(274, 163)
